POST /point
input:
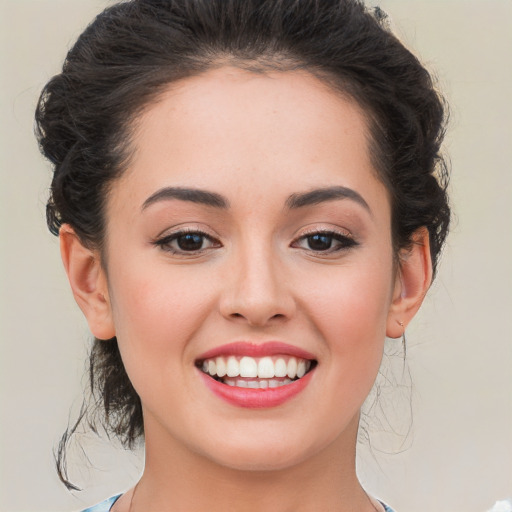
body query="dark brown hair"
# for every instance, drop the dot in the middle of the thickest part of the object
(133, 50)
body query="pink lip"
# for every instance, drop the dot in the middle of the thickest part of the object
(249, 397)
(256, 398)
(243, 348)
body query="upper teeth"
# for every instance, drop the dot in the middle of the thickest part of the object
(262, 368)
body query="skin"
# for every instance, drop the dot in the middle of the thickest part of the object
(256, 140)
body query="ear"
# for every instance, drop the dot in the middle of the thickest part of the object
(412, 282)
(88, 282)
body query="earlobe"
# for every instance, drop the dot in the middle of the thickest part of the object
(411, 285)
(88, 282)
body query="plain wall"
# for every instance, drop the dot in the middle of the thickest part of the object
(459, 453)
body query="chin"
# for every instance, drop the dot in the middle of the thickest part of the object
(259, 460)
(268, 451)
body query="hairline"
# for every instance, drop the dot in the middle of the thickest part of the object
(265, 64)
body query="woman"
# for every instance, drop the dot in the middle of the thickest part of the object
(249, 197)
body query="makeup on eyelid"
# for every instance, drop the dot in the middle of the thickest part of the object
(333, 203)
(319, 237)
(192, 241)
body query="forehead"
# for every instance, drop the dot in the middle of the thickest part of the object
(231, 127)
(236, 104)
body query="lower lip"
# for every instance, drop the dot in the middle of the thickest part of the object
(256, 398)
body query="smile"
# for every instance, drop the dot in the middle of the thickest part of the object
(256, 376)
(256, 373)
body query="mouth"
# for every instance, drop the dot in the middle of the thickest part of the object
(258, 376)
(267, 372)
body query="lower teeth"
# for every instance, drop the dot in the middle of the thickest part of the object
(256, 384)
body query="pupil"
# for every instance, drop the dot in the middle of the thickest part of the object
(320, 242)
(190, 242)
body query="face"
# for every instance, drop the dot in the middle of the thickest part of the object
(250, 239)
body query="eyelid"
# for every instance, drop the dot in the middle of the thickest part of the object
(343, 236)
(319, 229)
(164, 240)
(186, 227)
(325, 230)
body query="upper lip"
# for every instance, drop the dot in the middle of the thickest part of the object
(244, 348)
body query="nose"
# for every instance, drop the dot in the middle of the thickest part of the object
(257, 290)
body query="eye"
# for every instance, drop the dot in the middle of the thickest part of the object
(187, 242)
(324, 241)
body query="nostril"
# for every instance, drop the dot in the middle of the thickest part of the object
(277, 316)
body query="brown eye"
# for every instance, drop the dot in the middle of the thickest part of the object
(320, 242)
(325, 242)
(190, 242)
(187, 242)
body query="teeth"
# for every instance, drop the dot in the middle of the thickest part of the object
(248, 367)
(301, 368)
(260, 368)
(291, 369)
(265, 368)
(281, 367)
(221, 366)
(257, 384)
(233, 369)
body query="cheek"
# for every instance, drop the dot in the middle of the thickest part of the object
(156, 312)
(351, 308)
(353, 303)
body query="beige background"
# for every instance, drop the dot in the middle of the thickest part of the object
(459, 455)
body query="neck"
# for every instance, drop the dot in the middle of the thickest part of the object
(179, 480)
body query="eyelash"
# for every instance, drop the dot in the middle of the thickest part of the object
(345, 242)
(165, 242)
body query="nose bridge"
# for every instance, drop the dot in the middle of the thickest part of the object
(257, 290)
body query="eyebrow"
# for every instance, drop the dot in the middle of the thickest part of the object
(192, 195)
(321, 195)
(294, 201)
